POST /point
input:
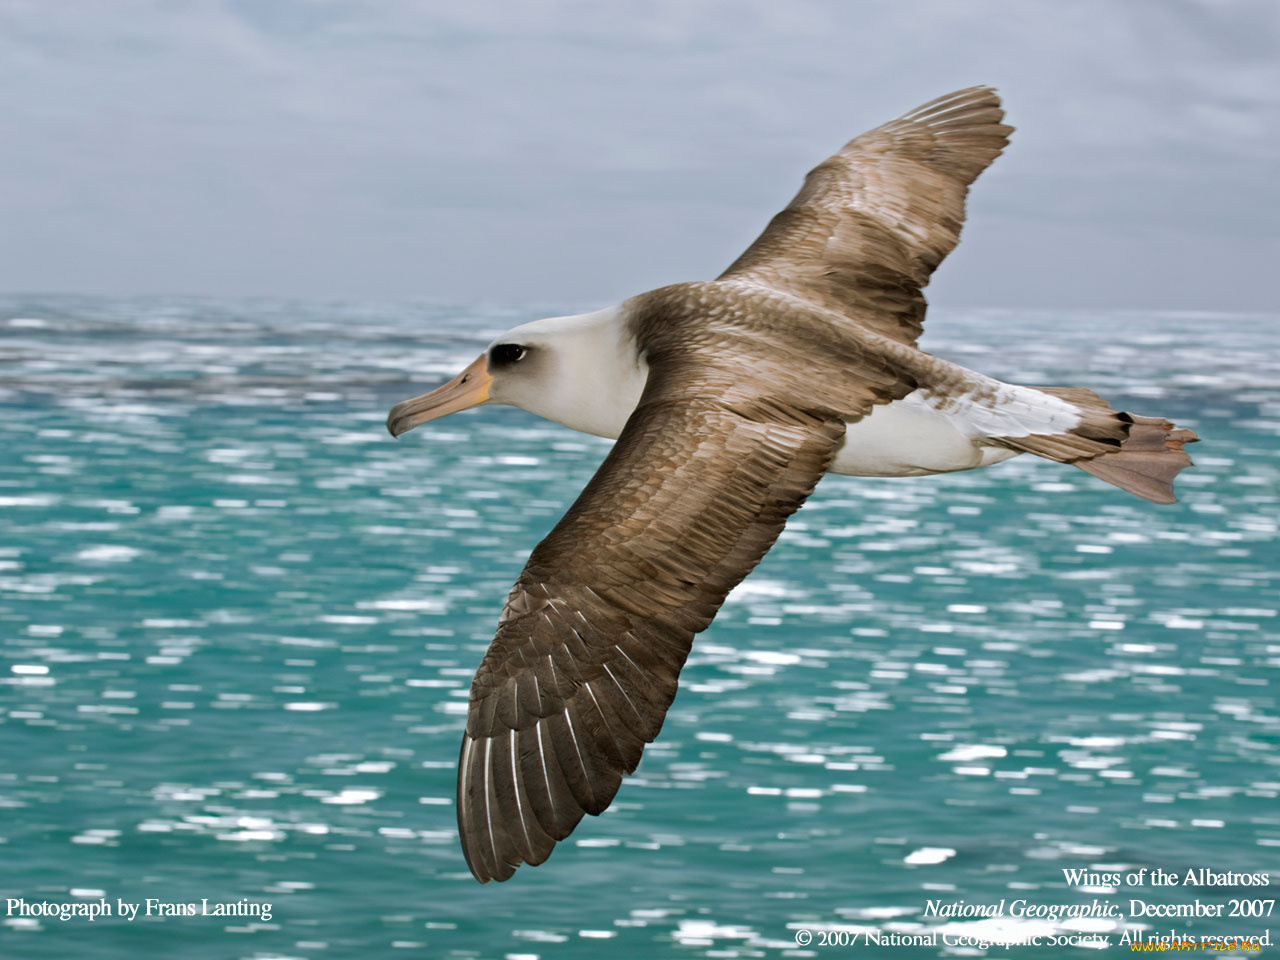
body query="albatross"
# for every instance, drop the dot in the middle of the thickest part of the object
(730, 399)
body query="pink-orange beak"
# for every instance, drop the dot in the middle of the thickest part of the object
(468, 389)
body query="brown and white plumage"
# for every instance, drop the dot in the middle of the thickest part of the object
(730, 400)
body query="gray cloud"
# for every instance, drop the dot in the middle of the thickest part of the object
(579, 152)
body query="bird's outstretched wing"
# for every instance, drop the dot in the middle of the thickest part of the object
(872, 223)
(591, 641)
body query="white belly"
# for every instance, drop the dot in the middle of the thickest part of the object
(920, 434)
(912, 438)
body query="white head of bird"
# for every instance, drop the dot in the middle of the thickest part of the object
(582, 371)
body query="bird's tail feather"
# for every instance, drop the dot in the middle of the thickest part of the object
(1139, 454)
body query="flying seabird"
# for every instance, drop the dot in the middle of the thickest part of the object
(729, 400)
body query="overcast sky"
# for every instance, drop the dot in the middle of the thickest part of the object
(533, 151)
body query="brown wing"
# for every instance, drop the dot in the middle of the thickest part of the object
(589, 646)
(872, 222)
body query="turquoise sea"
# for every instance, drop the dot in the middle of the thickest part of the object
(239, 622)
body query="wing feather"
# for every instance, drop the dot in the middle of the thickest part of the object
(872, 222)
(591, 642)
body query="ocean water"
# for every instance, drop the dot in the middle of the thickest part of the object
(239, 623)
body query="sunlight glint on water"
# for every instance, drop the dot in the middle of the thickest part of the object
(240, 623)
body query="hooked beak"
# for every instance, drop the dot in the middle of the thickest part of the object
(468, 389)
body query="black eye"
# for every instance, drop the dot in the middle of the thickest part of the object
(505, 353)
